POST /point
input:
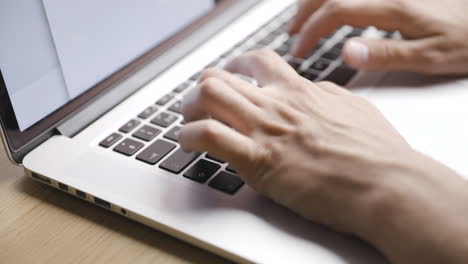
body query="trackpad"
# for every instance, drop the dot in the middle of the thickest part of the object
(430, 112)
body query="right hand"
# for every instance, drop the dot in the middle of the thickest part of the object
(330, 156)
(435, 32)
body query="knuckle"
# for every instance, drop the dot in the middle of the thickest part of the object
(210, 131)
(209, 88)
(260, 57)
(335, 7)
(207, 73)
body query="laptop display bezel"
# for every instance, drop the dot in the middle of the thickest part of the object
(17, 143)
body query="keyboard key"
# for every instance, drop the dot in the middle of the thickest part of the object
(182, 87)
(341, 75)
(355, 33)
(196, 76)
(309, 76)
(164, 119)
(146, 133)
(129, 126)
(178, 161)
(148, 112)
(173, 134)
(110, 140)
(156, 151)
(332, 54)
(226, 182)
(176, 107)
(208, 156)
(230, 169)
(267, 40)
(339, 45)
(202, 171)
(317, 47)
(296, 63)
(128, 147)
(165, 99)
(282, 52)
(320, 65)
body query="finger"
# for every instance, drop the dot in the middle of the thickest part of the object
(387, 54)
(251, 92)
(304, 10)
(214, 98)
(334, 13)
(266, 66)
(219, 140)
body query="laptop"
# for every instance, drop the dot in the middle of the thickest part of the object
(90, 96)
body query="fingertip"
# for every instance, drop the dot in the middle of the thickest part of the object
(356, 53)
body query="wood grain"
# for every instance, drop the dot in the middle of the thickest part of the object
(39, 224)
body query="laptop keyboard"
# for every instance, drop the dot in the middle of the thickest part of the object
(151, 137)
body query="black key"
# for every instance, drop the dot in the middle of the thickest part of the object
(164, 119)
(267, 40)
(156, 151)
(196, 76)
(332, 54)
(288, 43)
(178, 161)
(148, 112)
(173, 134)
(355, 33)
(129, 126)
(320, 65)
(226, 54)
(296, 63)
(283, 47)
(339, 45)
(309, 75)
(202, 171)
(341, 75)
(226, 182)
(213, 64)
(146, 133)
(128, 147)
(182, 87)
(255, 47)
(282, 52)
(317, 47)
(110, 140)
(230, 169)
(165, 99)
(176, 107)
(208, 156)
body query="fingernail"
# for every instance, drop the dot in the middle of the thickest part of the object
(357, 52)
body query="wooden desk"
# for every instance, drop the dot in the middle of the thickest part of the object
(39, 224)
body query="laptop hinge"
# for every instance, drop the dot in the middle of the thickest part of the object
(94, 110)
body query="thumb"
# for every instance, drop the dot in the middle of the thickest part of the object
(384, 54)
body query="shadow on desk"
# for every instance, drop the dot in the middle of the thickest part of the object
(175, 251)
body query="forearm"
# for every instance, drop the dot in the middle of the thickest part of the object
(423, 218)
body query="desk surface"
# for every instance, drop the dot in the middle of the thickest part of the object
(39, 224)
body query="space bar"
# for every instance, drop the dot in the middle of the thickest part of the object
(178, 161)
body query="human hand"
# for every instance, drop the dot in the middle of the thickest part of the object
(435, 32)
(323, 152)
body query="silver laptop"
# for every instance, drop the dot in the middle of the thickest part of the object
(90, 97)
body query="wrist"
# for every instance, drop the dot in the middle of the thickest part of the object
(418, 210)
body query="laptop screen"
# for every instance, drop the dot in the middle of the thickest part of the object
(53, 50)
